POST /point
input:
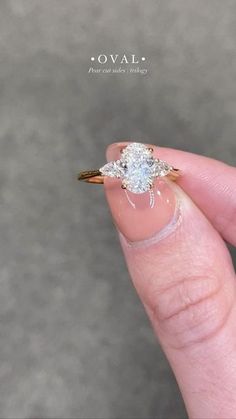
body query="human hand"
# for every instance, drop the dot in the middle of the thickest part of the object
(180, 266)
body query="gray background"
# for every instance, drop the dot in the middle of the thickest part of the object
(74, 339)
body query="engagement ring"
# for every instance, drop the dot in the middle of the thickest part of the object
(137, 169)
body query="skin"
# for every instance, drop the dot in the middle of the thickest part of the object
(174, 246)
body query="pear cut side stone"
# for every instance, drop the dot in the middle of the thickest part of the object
(162, 168)
(113, 169)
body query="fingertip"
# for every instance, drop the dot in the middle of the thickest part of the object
(113, 150)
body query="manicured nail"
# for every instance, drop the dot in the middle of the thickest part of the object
(139, 217)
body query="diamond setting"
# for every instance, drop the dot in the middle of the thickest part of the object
(137, 168)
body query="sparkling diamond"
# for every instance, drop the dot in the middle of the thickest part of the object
(113, 169)
(137, 168)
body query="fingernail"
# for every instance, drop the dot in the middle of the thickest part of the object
(139, 217)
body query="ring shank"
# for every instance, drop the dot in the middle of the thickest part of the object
(95, 176)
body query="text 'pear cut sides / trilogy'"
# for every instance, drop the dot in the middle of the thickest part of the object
(137, 168)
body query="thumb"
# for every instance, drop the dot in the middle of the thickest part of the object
(183, 274)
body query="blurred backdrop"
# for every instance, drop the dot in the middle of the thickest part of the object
(74, 339)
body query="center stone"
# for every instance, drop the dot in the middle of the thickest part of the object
(138, 176)
(139, 168)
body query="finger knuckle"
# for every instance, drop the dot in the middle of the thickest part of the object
(192, 310)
